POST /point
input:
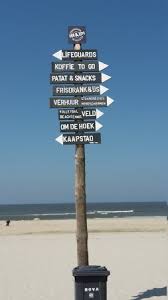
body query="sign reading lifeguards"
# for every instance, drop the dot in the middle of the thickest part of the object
(88, 54)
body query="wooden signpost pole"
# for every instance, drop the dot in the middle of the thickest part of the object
(78, 76)
(80, 201)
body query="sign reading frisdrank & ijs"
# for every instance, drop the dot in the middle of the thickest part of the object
(80, 126)
(88, 54)
(76, 34)
(86, 101)
(68, 90)
(79, 114)
(95, 77)
(87, 138)
(83, 66)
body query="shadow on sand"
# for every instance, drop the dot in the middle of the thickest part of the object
(156, 292)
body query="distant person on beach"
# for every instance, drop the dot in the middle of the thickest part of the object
(7, 222)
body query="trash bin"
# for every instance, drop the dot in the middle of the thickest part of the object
(90, 282)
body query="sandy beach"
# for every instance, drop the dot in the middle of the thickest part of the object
(130, 224)
(37, 258)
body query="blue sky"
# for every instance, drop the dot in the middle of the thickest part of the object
(131, 163)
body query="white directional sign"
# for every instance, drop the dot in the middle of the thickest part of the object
(67, 90)
(79, 114)
(89, 54)
(80, 126)
(85, 101)
(87, 138)
(83, 66)
(95, 77)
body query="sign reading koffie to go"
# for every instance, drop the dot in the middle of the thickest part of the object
(76, 34)
(77, 66)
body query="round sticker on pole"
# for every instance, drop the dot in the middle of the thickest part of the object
(76, 34)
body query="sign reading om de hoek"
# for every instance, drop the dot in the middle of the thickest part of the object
(78, 126)
(76, 34)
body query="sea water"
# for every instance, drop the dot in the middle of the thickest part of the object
(94, 210)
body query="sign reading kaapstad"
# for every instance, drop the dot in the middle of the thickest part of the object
(67, 90)
(76, 34)
(87, 138)
(88, 54)
(85, 66)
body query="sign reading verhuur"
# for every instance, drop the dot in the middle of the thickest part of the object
(86, 101)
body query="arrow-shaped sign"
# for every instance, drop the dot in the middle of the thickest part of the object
(95, 101)
(98, 125)
(99, 113)
(104, 77)
(64, 78)
(102, 66)
(67, 90)
(89, 54)
(79, 114)
(87, 138)
(109, 101)
(58, 54)
(80, 126)
(85, 101)
(82, 66)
